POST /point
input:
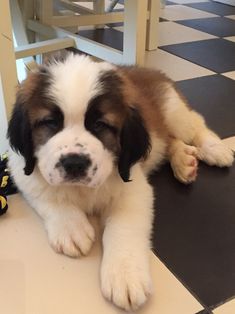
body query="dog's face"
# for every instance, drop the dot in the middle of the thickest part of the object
(73, 121)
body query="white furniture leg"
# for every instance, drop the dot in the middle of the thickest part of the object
(7, 58)
(152, 24)
(99, 8)
(135, 22)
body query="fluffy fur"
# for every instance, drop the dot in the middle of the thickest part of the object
(84, 137)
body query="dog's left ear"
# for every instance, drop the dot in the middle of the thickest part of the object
(134, 142)
(20, 138)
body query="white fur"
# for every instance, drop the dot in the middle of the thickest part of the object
(125, 277)
(157, 156)
(213, 151)
(74, 139)
(127, 214)
(189, 127)
(83, 73)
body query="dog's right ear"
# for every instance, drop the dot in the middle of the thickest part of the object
(20, 135)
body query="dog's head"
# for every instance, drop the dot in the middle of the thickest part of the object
(72, 120)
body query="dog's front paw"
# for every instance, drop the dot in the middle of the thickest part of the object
(125, 282)
(71, 235)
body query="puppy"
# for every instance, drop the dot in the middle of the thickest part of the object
(84, 137)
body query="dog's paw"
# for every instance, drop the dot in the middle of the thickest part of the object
(216, 153)
(71, 235)
(125, 282)
(184, 163)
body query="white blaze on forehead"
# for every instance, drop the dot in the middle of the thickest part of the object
(74, 82)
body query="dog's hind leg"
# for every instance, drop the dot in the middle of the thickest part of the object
(183, 160)
(189, 126)
(212, 149)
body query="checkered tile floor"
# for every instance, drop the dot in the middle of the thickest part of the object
(197, 49)
(194, 227)
(194, 233)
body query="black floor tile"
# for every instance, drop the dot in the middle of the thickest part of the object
(213, 7)
(214, 97)
(170, 3)
(167, 2)
(217, 26)
(205, 312)
(162, 19)
(108, 36)
(194, 231)
(215, 54)
(118, 24)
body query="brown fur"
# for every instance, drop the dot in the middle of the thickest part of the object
(32, 96)
(146, 90)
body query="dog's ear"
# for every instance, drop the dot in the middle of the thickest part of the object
(20, 136)
(134, 142)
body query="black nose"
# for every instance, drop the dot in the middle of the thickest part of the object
(75, 165)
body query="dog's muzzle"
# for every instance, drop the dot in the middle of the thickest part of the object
(75, 166)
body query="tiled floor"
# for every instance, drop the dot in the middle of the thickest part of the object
(194, 235)
(195, 230)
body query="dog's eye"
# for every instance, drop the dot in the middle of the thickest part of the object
(101, 125)
(48, 122)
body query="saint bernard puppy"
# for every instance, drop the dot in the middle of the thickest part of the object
(84, 136)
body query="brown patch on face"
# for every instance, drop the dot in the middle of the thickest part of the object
(146, 90)
(107, 112)
(45, 118)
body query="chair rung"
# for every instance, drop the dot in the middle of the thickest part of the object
(43, 47)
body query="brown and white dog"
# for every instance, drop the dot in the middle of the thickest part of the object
(84, 137)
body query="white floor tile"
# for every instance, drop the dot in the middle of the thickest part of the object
(173, 33)
(34, 279)
(230, 75)
(176, 68)
(231, 17)
(231, 38)
(227, 308)
(172, 296)
(181, 12)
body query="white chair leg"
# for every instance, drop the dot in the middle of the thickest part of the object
(8, 72)
(134, 41)
(20, 36)
(99, 8)
(152, 24)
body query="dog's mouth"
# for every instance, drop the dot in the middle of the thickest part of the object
(74, 175)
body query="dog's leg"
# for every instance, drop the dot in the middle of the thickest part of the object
(190, 127)
(183, 159)
(68, 228)
(125, 276)
(212, 150)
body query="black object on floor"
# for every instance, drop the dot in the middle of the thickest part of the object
(194, 231)
(214, 97)
(6, 185)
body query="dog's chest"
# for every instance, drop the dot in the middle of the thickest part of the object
(90, 201)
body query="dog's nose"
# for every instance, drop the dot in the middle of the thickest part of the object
(75, 165)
